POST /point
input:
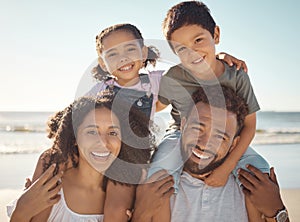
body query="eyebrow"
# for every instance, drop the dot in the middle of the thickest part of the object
(96, 126)
(224, 133)
(195, 122)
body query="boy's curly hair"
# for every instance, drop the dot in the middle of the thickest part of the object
(63, 130)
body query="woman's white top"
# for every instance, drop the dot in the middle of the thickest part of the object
(61, 212)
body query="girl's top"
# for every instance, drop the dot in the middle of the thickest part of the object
(143, 94)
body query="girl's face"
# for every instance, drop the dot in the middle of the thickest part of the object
(99, 139)
(122, 56)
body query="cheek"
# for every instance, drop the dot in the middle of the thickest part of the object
(116, 146)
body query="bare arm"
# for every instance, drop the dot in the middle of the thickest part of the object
(119, 199)
(152, 195)
(220, 175)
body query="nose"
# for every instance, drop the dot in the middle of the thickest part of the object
(123, 58)
(102, 140)
(206, 142)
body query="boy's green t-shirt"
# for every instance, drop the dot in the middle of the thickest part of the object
(177, 85)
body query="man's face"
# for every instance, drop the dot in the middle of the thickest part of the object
(195, 47)
(207, 137)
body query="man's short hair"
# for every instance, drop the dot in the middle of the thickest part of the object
(223, 97)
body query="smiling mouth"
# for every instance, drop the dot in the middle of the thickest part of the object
(100, 156)
(126, 68)
(197, 61)
(202, 155)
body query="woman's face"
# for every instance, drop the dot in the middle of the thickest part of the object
(122, 56)
(99, 138)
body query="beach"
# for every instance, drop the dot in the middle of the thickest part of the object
(16, 167)
(23, 138)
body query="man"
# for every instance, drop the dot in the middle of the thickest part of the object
(209, 133)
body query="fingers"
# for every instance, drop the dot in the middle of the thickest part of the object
(159, 175)
(244, 66)
(54, 191)
(54, 200)
(46, 175)
(143, 176)
(246, 183)
(260, 175)
(27, 183)
(50, 184)
(166, 185)
(273, 176)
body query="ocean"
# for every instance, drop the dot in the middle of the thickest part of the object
(277, 138)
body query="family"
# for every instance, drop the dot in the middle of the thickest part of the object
(104, 164)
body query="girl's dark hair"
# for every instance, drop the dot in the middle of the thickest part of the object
(153, 53)
(63, 129)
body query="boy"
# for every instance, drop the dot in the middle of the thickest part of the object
(192, 34)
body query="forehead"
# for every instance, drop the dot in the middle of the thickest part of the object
(188, 32)
(101, 116)
(119, 37)
(219, 118)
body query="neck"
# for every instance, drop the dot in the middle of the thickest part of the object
(198, 176)
(127, 83)
(89, 176)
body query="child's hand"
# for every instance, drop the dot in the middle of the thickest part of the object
(218, 177)
(230, 60)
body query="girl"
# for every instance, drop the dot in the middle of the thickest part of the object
(91, 135)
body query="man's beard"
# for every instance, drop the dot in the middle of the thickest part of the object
(193, 167)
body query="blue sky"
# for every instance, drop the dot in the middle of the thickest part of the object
(46, 46)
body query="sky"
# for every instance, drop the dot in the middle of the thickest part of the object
(46, 47)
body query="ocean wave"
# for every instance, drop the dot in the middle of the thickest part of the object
(22, 128)
(277, 137)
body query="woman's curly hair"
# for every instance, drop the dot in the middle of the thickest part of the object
(134, 153)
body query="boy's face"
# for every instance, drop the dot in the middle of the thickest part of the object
(195, 47)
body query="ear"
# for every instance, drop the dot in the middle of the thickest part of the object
(145, 52)
(217, 35)
(102, 64)
(182, 125)
(234, 143)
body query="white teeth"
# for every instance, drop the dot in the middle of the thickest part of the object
(198, 60)
(126, 68)
(102, 154)
(201, 156)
